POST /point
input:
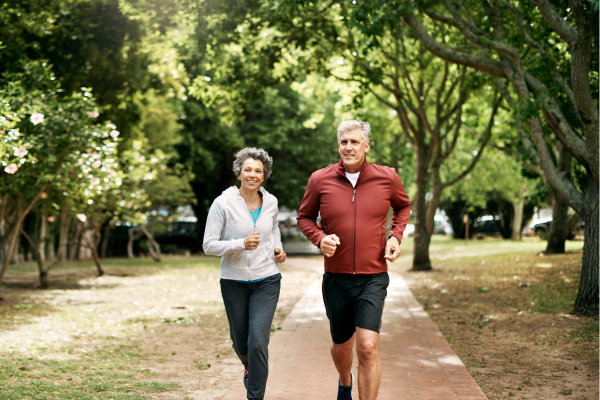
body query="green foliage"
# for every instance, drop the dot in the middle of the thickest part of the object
(55, 128)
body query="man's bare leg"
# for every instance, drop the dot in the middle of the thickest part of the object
(369, 364)
(342, 358)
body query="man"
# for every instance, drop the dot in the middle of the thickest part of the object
(354, 197)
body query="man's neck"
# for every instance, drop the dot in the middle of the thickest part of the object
(354, 168)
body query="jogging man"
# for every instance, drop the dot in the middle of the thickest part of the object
(354, 197)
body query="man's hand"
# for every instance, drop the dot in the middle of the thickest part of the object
(392, 249)
(252, 241)
(328, 245)
(280, 256)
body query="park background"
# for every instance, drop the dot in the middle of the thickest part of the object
(118, 125)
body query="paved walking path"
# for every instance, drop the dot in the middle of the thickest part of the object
(417, 362)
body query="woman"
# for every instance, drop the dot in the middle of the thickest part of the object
(242, 228)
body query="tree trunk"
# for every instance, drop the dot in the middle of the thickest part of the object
(43, 235)
(130, 232)
(90, 241)
(63, 240)
(153, 246)
(518, 216)
(74, 242)
(43, 273)
(96, 259)
(12, 244)
(105, 240)
(559, 227)
(434, 202)
(44, 281)
(587, 296)
(421, 260)
(87, 239)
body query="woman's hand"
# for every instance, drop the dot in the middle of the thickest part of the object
(280, 256)
(252, 241)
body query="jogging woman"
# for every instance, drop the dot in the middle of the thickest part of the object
(242, 228)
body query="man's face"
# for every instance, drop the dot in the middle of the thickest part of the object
(353, 150)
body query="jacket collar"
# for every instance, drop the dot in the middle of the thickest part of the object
(234, 193)
(342, 171)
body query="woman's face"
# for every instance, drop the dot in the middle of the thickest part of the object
(252, 174)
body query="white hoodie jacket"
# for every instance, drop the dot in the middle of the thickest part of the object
(229, 222)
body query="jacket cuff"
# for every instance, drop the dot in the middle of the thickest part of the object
(399, 237)
(238, 244)
(320, 237)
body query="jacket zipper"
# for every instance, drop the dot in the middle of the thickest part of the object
(253, 230)
(354, 233)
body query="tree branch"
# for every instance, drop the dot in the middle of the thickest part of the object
(487, 65)
(556, 22)
(486, 138)
(537, 45)
(510, 152)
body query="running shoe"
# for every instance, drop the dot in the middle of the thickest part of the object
(246, 379)
(345, 392)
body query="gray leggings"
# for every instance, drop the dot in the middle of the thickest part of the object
(250, 309)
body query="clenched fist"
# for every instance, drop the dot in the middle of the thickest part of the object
(328, 245)
(252, 241)
(392, 249)
(280, 256)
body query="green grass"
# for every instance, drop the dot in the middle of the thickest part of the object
(110, 373)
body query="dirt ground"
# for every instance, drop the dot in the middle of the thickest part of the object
(516, 340)
(173, 314)
(507, 317)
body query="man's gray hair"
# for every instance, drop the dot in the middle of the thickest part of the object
(256, 154)
(352, 125)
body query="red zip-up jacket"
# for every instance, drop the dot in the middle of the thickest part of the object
(356, 215)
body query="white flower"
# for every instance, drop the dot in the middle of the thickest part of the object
(148, 176)
(96, 163)
(95, 181)
(11, 169)
(93, 114)
(114, 134)
(81, 217)
(20, 153)
(36, 118)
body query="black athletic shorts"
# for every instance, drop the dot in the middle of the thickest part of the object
(354, 300)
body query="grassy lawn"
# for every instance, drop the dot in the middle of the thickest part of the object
(504, 307)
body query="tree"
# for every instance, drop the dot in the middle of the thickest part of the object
(58, 129)
(555, 87)
(427, 95)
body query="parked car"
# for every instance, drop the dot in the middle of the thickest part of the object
(484, 226)
(541, 227)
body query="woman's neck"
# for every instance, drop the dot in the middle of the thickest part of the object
(251, 197)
